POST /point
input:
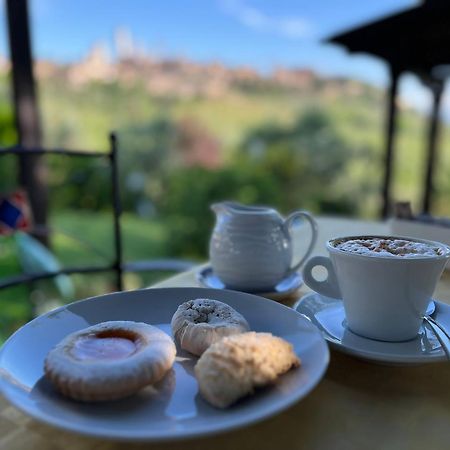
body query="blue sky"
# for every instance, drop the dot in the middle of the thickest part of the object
(262, 34)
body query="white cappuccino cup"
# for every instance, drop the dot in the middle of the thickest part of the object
(385, 282)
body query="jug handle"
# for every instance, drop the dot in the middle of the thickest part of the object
(288, 225)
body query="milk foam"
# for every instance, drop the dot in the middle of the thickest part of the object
(397, 248)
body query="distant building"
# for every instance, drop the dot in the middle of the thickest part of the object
(293, 78)
(124, 44)
(96, 66)
(129, 63)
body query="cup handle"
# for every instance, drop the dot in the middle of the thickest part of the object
(328, 287)
(288, 225)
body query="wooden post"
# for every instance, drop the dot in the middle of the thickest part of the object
(32, 171)
(390, 135)
(437, 88)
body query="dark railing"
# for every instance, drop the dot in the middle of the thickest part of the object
(117, 265)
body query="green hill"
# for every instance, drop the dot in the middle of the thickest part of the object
(81, 115)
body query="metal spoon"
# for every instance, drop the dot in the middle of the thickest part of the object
(442, 337)
(430, 308)
(440, 332)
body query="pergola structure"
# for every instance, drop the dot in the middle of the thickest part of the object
(417, 41)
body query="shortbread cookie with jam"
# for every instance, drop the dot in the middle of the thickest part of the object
(110, 360)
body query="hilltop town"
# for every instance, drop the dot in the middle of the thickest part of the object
(128, 63)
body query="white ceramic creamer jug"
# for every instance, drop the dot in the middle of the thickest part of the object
(251, 247)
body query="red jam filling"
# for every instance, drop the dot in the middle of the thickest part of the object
(103, 347)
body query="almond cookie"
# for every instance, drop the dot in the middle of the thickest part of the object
(237, 365)
(199, 323)
(110, 360)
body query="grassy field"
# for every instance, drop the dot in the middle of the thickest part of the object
(80, 238)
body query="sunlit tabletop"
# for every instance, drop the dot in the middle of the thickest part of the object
(358, 405)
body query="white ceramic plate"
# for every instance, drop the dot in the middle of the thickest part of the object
(172, 409)
(329, 316)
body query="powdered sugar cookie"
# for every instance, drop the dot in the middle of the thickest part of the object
(199, 323)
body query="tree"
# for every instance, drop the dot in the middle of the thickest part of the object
(307, 160)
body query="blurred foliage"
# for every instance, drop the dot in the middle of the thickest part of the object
(290, 167)
(319, 150)
(79, 183)
(146, 154)
(305, 160)
(8, 136)
(190, 192)
(170, 171)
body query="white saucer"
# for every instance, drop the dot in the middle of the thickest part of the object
(329, 316)
(286, 287)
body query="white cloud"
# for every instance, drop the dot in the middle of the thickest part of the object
(292, 27)
(251, 17)
(295, 27)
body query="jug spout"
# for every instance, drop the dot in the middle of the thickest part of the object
(222, 207)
